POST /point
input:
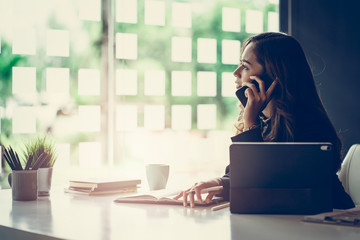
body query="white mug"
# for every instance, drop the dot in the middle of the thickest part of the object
(157, 175)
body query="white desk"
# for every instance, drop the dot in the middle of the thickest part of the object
(80, 217)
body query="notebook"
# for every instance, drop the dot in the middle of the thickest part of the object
(281, 178)
(167, 197)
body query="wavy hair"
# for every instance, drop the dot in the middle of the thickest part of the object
(296, 101)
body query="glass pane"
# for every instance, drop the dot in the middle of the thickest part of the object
(89, 82)
(181, 49)
(181, 83)
(273, 22)
(206, 115)
(228, 84)
(231, 19)
(126, 82)
(126, 46)
(23, 120)
(24, 41)
(154, 82)
(154, 117)
(154, 12)
(126, 117)
(181, 117)
(89, 154)
(89, 118)
(63, 153)
(126, 11)
(206, 50)
(254, 21)
(90, 10)
(274, 2)
(230, 52)
(24, 81)
(57, 43)
(57, 81)
(181, 15)
(206, 84)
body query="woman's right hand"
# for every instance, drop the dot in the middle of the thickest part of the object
(196, 190)
(257, 100)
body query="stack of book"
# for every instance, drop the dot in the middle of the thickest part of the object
(102, 186)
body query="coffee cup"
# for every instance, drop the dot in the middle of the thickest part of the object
(24, 185)
(157, 176)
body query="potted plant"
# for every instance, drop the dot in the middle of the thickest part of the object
(40, 153)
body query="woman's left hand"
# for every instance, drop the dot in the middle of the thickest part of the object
(195, 190)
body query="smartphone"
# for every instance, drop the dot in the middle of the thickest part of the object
(240, 93)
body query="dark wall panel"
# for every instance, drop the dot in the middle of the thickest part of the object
(329, 31)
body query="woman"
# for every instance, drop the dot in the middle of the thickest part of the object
(290, 110)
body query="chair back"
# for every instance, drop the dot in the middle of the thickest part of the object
(349, 173)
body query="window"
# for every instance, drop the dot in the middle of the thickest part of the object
(154, 85)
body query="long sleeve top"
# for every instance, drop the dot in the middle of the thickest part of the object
(341, 200)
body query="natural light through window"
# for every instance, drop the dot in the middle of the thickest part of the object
(126, 117)
(154, 83)
(206, 84)
(126, 82)
(126, 11)
(181, 15)
(104, 78)
(24, 81)
(227, 84)
(254, 21)
(90, 10)
(181, 117)
(24, 41)
(89, 82)
(154, 117)
(18, 123)
(206, 116)
(181, 49)
(181, 83)
(206, 50)
(230, 52)
(58, 43)
(57, 84)
(89, 118)
(155, 12)
(126, 46)
(231, 20)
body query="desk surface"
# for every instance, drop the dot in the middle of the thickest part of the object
(67, 216)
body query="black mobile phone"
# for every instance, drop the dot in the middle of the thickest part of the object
(240, 93)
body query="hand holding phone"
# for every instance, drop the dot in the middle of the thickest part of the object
(240, 93)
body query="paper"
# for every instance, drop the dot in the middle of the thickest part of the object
(349, 217)
(161, 197)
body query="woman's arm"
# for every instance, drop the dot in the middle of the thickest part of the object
(253, 135)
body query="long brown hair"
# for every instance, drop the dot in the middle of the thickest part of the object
(296, 101)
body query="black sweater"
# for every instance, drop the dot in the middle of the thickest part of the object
(341, 200)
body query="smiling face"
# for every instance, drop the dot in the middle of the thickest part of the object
(248, 66)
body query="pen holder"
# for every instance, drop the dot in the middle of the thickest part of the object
(23, 185)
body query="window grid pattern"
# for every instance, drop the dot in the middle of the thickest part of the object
(181, 95)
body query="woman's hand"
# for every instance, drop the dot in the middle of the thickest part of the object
(256, 100)
(196, 190)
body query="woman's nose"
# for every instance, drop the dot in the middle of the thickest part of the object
(236, 73)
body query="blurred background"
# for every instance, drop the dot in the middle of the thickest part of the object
(121, 83)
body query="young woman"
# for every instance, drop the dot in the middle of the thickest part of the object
(290, 110)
